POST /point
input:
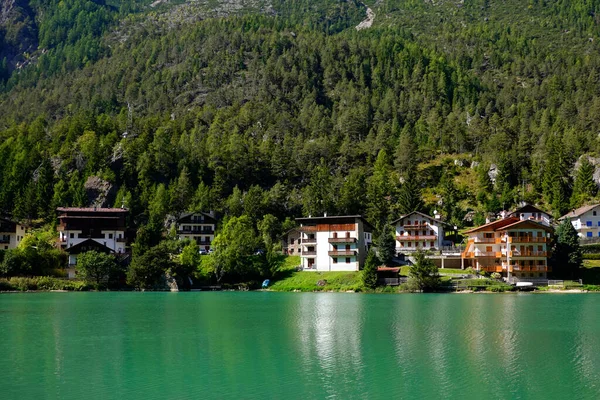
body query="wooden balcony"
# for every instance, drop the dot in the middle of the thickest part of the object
(413, 227)
(487, 240)
(528, 268)
(526, 239)
(517, 254)
(495, 254)
(121, 240)
(343, 240)
(195, 232)
(342, 253)
(493, 268)
(415, 238)
(309, 253)
(309, 241)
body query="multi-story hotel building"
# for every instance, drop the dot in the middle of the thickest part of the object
(418, 231)
(197, 226)
(336, 243)
(513, 247)
(85, 229)
(11, 233)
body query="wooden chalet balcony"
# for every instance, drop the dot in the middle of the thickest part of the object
(121, 240)
(309, 241)
(343, 240)
(526, 239)
(342, 253)
(309, 253)
(415, 226)
(495, 254)
(203, 242)
(4, 240)
(494, 268)
(195, 232)
(516, 254)
(415, 237)
(528, 268)
(488, 240)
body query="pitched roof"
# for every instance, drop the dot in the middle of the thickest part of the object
(528, 208)
(578, 211)
(189, 214)
(421, 214)
(88, 245)
(492, 226)
(91, 209)
(333, 217)
(526, 223)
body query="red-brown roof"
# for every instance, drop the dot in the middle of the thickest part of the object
(493, 226)
(90, 209)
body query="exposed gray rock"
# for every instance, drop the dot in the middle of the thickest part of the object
(493, 173)
(98, 191)
(474, 164)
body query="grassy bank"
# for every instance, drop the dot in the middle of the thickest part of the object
(309, 282)
(42, 283)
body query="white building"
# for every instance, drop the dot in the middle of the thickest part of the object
(418, 231)
(531, 213)
(337, 243)
(85, 229)
(197, 226)
(11, 233)
(585, 220)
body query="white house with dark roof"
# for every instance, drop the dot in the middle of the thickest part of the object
(11, 233)
(529, 212)
(197, 226)
(418, 231)
(585, 220)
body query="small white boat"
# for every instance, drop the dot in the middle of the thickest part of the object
(524, 284)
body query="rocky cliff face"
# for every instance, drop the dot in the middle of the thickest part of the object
(18, 32)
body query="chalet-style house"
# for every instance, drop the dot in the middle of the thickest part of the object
(290, 242)
(197, 226)
(418, 231)
(585, 220)
(516, 246)
(531, 213)
(85, 229)
(11, 233)
(336, 243)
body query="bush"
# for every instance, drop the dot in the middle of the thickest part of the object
(591, 256)
(42, 283)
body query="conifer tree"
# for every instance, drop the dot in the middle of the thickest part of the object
(409, 195)
(566, 256)
(369, 273)
(584, 187)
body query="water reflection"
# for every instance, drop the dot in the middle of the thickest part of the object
(330, 327)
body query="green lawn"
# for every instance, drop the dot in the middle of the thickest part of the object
(305, 281)
(404, 271)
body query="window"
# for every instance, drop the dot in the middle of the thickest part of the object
(292, 241)
(347, 247)
(334, 247)
(401, 244)
(588, 223)
(347, 234)
(589, 234)
(334, 260)
(432, 244)
(347, 260)
(594, 213)
(72, 235)
(110, 235)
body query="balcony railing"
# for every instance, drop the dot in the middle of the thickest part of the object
(415, 226)
(342, 253)
(4, 240)
(525, 239)
(487, 240)
(195, 232)
(121, 240)
(414, 238)
(203, 242)
(487, 254)
(516, 253)
(309, 253)
(309, 241)
(528, 268)
(493, 268)
(343, 240)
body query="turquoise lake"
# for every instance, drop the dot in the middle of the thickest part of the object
(299, 346)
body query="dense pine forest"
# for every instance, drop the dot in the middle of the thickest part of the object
(282, 107)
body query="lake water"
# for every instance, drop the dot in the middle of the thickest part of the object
(299, 346)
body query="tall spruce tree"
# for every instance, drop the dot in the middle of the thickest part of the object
(369, 273)
(566, 257)
(584, 187)
(409, 195)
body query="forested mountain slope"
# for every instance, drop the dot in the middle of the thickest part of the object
(283, 107)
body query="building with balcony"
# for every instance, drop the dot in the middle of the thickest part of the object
(11, 233)
(531, 213)
(336, 243)
(290, 242)
(418, 231)
(84, 229)
(585, 220)
(197, 226)
(512, 246)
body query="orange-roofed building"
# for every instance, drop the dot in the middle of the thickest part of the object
(514, 247)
